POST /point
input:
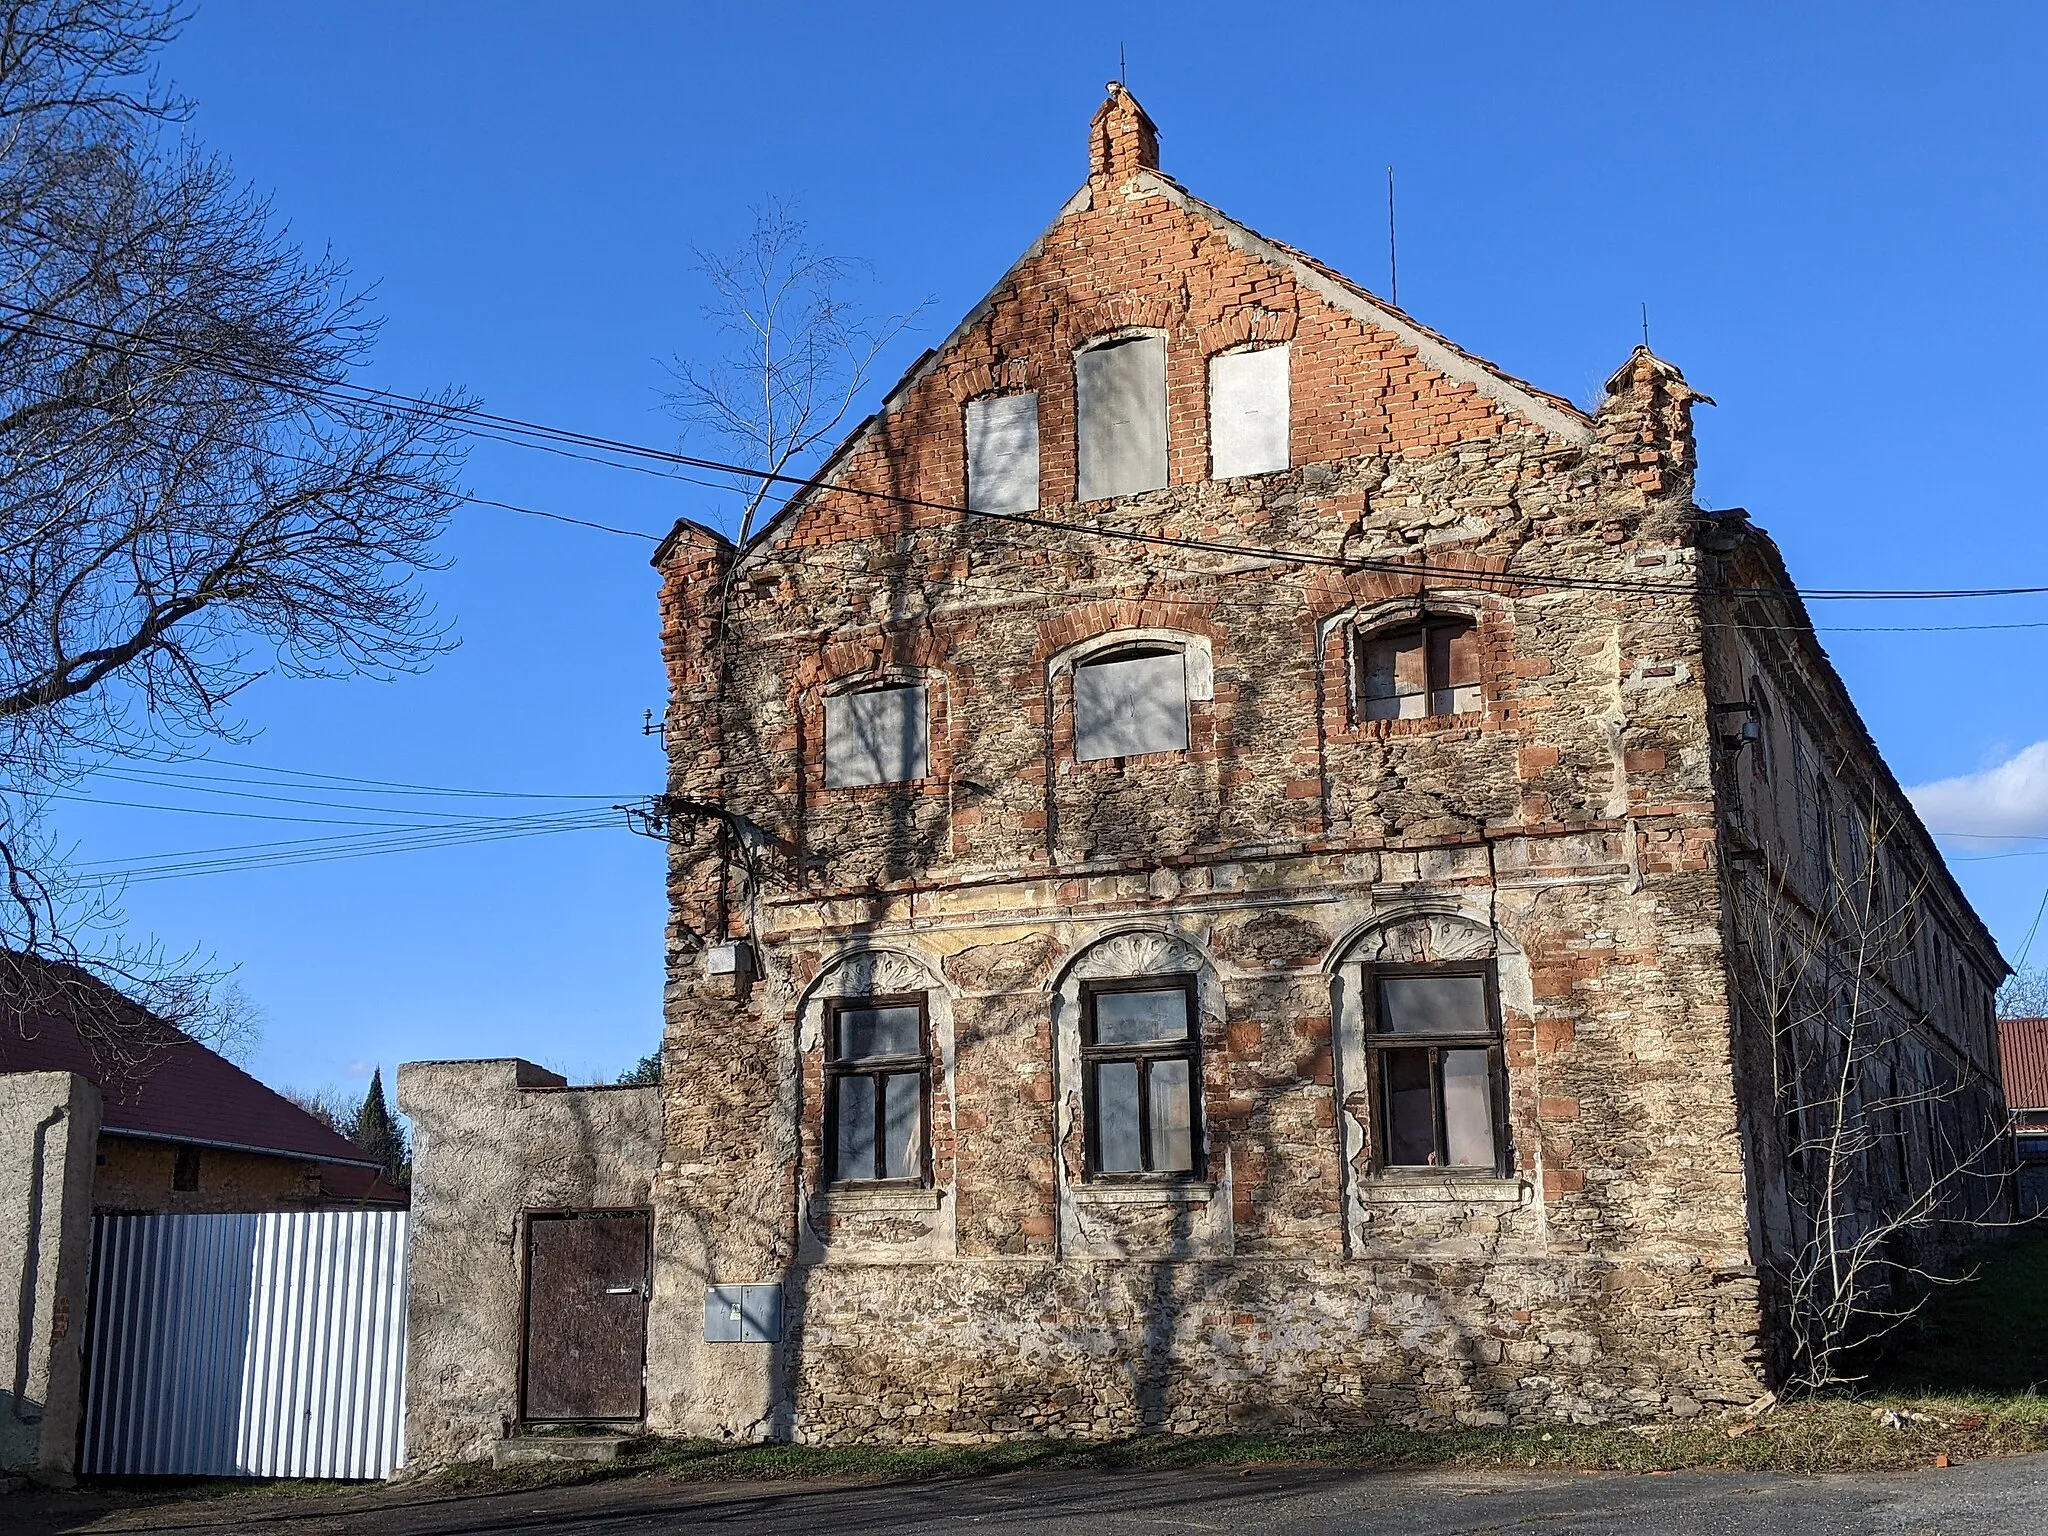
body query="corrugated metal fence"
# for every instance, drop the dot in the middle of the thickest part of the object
(268, 1345)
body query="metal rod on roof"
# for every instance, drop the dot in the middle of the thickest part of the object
(1393, 267)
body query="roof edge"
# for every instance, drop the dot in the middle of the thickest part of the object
(127, 1134)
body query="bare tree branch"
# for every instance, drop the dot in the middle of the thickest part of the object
(800, 352)
(186, 502)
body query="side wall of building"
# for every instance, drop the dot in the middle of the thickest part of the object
(1865, 1025)
(492, 1142)
(48, 1124)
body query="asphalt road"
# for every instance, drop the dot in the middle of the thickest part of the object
(1989, 1496)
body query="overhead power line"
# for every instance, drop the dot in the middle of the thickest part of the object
(533, 434)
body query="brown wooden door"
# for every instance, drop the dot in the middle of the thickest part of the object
(586, 1315)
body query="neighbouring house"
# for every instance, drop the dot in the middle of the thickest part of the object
(2023, 1066)
(182, 1128)
(106, 1110)
(1232, 864)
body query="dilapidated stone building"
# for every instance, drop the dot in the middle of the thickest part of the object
(1207, 874)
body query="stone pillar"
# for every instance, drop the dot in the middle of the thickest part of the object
(49, 1130)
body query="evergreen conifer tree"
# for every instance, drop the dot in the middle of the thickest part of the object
(379, 1134)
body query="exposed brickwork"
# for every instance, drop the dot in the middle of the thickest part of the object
(1565, 829)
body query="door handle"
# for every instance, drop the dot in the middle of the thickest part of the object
(622, 1290)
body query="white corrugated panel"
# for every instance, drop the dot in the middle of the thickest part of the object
(1002, 453)
(1128, 705)
(1121, 389)
(876, 737)
(267, 1345)
(1248, 403)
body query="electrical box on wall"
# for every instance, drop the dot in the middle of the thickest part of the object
(742, 1314)
(734, 960)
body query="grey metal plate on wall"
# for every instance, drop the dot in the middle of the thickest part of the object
(742, 1314)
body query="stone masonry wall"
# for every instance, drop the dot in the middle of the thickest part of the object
(1565, 829)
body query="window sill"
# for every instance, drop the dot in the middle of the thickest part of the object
(1184, 1193)
(851, 1200)
(1441, 1189)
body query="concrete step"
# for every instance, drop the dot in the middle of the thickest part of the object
(528, 1448)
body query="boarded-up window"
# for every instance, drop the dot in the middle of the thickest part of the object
(1129, 703)
(876, 737)
(1424, 669)
(1002, 453)
(1121, 389)
(1248, 412)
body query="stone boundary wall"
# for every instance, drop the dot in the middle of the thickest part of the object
(49, 1123)
(493, 1140)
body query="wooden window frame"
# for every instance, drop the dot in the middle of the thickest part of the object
(837, 1069)
(1363, 638)
(1144, 1054)
(1378, 1042)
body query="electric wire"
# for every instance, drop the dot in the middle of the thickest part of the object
(527, 433)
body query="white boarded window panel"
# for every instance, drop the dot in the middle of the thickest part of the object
(1122, 430)
(877, 737)
(1130, 705)
(1248, 403)
(1002, 453)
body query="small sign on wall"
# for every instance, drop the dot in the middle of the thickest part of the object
(742, 1314)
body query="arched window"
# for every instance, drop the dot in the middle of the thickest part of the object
(1425, 668)
(878, 1090)
(1434, 1041)
(1130, 701)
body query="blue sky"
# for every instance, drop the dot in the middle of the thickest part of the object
(1835, 215)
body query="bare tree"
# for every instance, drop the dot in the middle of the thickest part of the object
(799, 351)
(1890, 1134)
(190, 494)
(2024, 994)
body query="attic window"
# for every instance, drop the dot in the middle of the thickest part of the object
(1431, 668)
(1120, 388)
(1131, 702)
(1002, 453)
(1248, 405)
(877, 736)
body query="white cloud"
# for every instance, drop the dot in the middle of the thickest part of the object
(2009, 799)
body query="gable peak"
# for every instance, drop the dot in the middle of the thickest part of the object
(1121, 138)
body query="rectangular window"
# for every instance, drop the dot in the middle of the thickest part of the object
(1424, 669)
(1248, 408)
(1120, 390)
(877, 1084)
(1002, 453)
(1139, 1064)
(185, 1170)
(1130, 703)
(879, 736)
(1435, 1047)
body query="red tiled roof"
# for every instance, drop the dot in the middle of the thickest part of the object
(162, 1084)
(341, 1184)
(2023, 1060)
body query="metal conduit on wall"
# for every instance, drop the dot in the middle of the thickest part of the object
(268, 1345)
